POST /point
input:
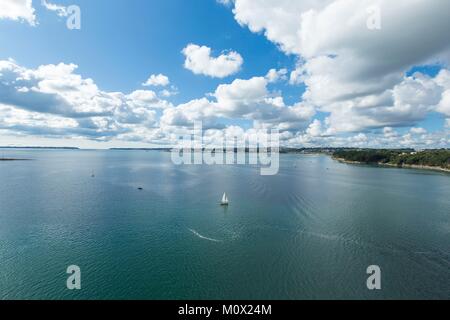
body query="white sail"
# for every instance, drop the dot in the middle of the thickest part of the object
(224, 199)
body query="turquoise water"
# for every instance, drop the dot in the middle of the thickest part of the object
(308, 233)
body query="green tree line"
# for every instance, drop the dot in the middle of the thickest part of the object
(432, 158)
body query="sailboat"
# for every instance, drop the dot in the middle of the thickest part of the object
(224, 201)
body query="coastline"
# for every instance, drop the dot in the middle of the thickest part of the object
(404, 166)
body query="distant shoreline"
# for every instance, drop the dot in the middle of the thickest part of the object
(39, 148)
(390, 165)
(335, 153)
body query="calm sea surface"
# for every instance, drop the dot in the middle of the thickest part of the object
(309, 232)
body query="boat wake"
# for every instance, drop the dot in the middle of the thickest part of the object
(203, 237)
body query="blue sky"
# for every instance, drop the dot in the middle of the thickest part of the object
(121, 43)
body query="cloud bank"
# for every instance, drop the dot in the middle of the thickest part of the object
(368, 85)
(354, 73)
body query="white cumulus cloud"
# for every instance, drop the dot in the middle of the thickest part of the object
(200, 61)
(156, 80)
(18, 10)
(275, 75)
(247, 99)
